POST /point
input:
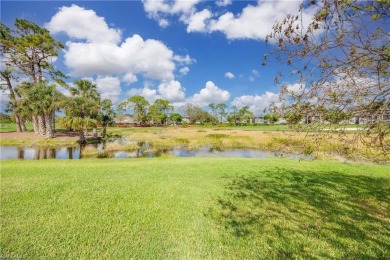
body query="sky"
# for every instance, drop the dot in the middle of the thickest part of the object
(192, 51)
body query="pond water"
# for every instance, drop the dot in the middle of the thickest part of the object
(76, 152)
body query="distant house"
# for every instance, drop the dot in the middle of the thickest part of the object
(125, 121)
(185, 119)
(257, 119)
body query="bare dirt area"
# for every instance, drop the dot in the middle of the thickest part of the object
(58, 136)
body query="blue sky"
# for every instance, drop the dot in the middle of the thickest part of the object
(184, 51)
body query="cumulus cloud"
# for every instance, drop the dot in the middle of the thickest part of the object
(80, 23)
(148, 57)
(254, 21)
(159, 9)
(101, 51)
(229, 75)
(130, 78)
(148, 93)
(256, 103)
(168, 90)
(109, 87)
(210, 94)
(171, 91)
(197, 21)
(223, 2)
(185, 60)
(184, 70)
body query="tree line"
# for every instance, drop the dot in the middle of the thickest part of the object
(31, 80)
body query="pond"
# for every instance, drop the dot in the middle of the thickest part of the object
(144, 150)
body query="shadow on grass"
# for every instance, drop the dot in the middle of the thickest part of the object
(309, 214)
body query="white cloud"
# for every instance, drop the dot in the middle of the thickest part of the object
(130, 78)
(109, 87)
(80, 23)
(150, 58)
(184, 70)
(229, 75)
(256, 103)
(103, 53)
(171, 91)
(295, 88)
(168, 90)
(223, 2)
(163, 23)
(255, 22)
(153, 7)
(197, 21)
(148, 93)
(158, 10)
(186, 60)
(210, 94)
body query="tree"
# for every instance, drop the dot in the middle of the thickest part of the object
(244, 114)
(213, 109)
(159, 111)
(107, 114)
(335, 115)
(82, 108)
(271, 118)
(340, 60)
(233, 115)
(176, 117)
(43, 100)
(27, 50)
(138, 104)
(221, 110)
(292, 118)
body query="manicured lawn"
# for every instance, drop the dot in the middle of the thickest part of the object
(192, 208)
(11, 127)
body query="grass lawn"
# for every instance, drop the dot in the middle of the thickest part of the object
(11, 127)
(186, 208)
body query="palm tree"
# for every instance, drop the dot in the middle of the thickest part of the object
(107, 114)
(40, 101)
(82, 108)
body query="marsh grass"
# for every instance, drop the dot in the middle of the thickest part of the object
(90, 150)
(111, 147)
(324, 145)
(194, 208)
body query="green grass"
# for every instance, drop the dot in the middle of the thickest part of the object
(192, 208)
(11, 127)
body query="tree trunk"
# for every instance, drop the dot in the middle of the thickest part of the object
(18, 123)
(20, 127)
(82, 137)
(35, 124)
(104, 130)
(53, 120)
(95, 134)
(23, 125)
(49, 125)
(41, 125)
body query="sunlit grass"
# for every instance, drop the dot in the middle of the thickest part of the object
(194, 208)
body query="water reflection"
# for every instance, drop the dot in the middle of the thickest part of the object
(144, 150)
(39, 153)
